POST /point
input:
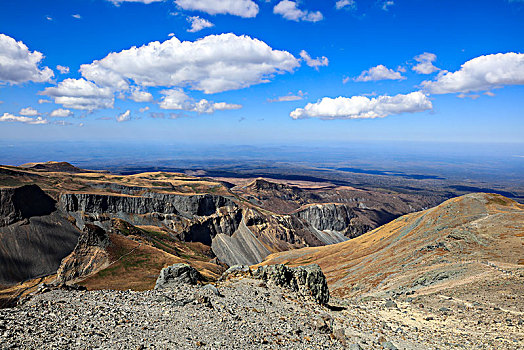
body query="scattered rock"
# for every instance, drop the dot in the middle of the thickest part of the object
(391, 304)
(340, 335)
(305, 280)
(175, 274)
(389, 345)
(212, 289)
(236, 271)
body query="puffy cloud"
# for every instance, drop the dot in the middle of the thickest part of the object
(29, 112)
(379, 72)
(480, 73)
(288, 98)
(124, 117)
(242, 8)
(198, 23)
(174, 99)
(349, 4)
(143, 109)
(212, 64)
(80, 94)
(138, 95)
(178, 100)
(61, 113)
(314, 62)
(40, 101)
(289, 10)
(357, 107)
(425, 63)
(18, 64)
(62, 69)
(7, 117)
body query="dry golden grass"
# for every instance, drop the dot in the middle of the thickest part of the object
(478, 227)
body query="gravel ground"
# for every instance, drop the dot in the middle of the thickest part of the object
(248, 314)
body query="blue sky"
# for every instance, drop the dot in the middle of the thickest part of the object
(290, 71)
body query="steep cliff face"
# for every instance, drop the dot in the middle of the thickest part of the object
(334, 217)
(89, 255)
(34, 235)
(21, 203)
(204, 229)
(349, 221)
(151, 202)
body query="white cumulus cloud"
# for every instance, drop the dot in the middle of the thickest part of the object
(242, 8)
(348, 4)
(8, 117)
(357, 107)
(314, 62)
(138, 95)
(124, 117)
(29, 112)
(425, 63)
(177, 99)
(379, 72)
(289, 10)
(18, 64)
(62, 69)
(212, 64)
(61, 113)
(198, 23)
(80, 94)
(480, 74)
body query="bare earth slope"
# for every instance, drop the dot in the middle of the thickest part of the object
(452, 241)
(453, 275)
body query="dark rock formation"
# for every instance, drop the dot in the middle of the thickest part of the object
(188, 206)
(176, 274)
(21, 203)
(305, 280)
(335, 217)
(205, 230)
(34, 235)
(89, 255)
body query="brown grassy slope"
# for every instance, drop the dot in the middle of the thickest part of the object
(136, 261)
(53, 182)
(423, 249)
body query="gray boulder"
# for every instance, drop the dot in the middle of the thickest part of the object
(305, 280)
(236, 271)
(176, 274)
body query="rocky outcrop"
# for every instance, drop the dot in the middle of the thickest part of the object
(34, 235)
(188, 206)
(89, 255)
(305, 280)
(334, 217)
(204, 229)
(21, 203)
(175, 274)
(242, 247)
